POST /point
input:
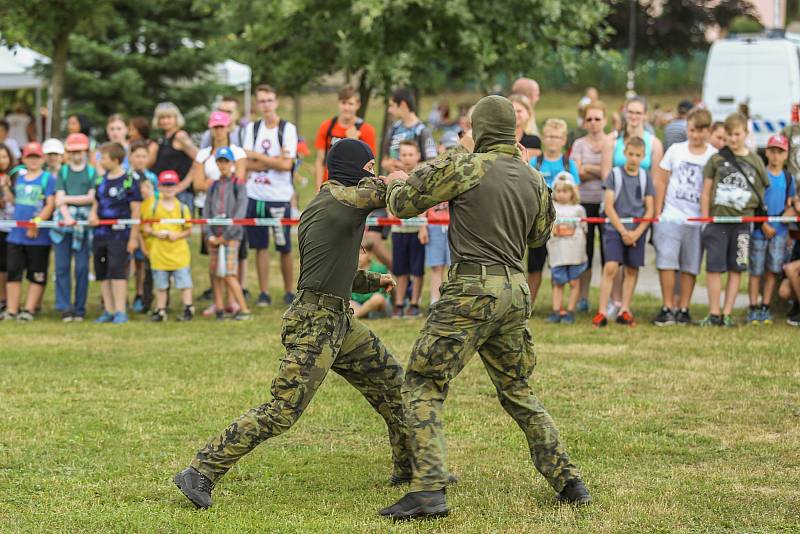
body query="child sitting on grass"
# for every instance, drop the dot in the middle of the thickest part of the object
(375, 304)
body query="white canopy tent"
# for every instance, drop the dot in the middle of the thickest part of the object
(16, 72)
(237, 75)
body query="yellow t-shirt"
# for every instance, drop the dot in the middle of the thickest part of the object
(166, 255)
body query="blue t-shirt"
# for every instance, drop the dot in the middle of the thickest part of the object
(29, 199)
(775, 199)
(552, 167)
(114, 197)
(418, 133)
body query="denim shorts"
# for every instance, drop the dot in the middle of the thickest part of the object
(183, 278)
(437, 251)
(767, 255)
(564, 274)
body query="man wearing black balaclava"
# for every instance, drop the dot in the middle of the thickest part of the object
(319, 331)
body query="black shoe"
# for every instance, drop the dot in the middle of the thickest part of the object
(682, 317)
(246, 293)
(665, 317)
(159, 316)
(418, 505)
(188, 314)
(793, 320)
(208, 294)
(195, 485)
(396, 480)
(575, 493)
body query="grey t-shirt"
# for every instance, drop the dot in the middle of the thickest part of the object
(675, 132)
(630, 201)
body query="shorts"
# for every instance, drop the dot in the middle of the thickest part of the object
(32, 260)
(383, 230)
(619, 252)
(537, 257)
(564, 274)
(183, 279)
(678, 247)
(3, 252)
(231, 258)
(258, 236)
(767, 254)
(110, 260)
(408, 255)
(727, 247)
(437, 251)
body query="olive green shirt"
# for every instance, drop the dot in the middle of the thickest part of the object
(330, 233)
(499, 205)
(731, 196)
(792, 133)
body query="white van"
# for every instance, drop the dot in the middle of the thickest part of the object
(759, 71)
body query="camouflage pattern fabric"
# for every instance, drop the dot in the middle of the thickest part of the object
(316, 340)
(488, 315)
(370, 193)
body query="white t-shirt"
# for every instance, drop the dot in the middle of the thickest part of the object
(568, 245)
(271, 185)
(209, 162)
(685, 181)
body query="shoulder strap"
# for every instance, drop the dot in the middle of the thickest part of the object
(64, 170)
(539, 162)
(729, 156)
(565, 161)
(256, 128)
(617, 173)
(281, 129)
(359, 123)
(329, 136)
(642, 181)
(92, 173)
(789, 180)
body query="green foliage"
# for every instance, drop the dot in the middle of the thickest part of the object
(745, 24)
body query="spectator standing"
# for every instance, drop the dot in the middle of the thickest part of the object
(138, 155)
(679, 184)
(75, 188)
(168, 246)
(117, 196)
(175, 151)
(53, 155)
(437, 247)
(116, 132)
(408, 248)
(407, 126)
(529, 88)
(9, 142)
(33, 191)
(20, 122)
(587, 153)
(635, 112)
(675, 130)
(230, 106)
(271, 147)
(733, 185)
(525, 136)
(6, 214)
(567, 249)
(629, 192)
(342, 126)
(80, 123)
(719, 138)
(768, 240)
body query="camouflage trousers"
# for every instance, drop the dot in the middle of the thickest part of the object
(317, 339)
(489, 315)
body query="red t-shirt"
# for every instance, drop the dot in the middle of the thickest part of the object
(367, 134)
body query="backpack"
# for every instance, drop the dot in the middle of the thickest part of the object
(281, 129)
(564, 162)
(616, 173)
(329, 135)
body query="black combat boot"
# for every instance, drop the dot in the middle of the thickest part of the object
(195, 485)
(418, 505)
(575, 493)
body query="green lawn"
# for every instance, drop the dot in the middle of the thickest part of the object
(674, 429)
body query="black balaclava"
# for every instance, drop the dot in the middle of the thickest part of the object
(346, 160)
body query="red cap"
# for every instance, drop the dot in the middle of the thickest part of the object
(219, 118)
(33, 149)
(168, 178)
(76, 142)
(778, 141)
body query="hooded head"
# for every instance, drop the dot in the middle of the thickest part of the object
(493, 123)
(346, 161)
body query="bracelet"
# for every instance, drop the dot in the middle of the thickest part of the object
(37, 219)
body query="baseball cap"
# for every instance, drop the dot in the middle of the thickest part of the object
(685, 106)
(32, 149)
(778, 141)
(53, 146)
(218, 118)
(224, 153)
(76, 142)
(168, 178)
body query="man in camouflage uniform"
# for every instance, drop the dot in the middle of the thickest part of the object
(792, 133)
(318, 329)
(499, 207)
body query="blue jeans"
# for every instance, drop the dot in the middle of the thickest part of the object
(64, 255)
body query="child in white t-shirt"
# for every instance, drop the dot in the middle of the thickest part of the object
(566, 248)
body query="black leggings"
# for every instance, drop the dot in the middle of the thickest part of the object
(593, 210)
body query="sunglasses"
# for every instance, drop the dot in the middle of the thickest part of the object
(592, 119)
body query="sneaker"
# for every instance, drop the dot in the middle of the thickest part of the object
(397, 313)
(211, 310)
(728, 321)
(554, 317)
(195, 486)
(626, 318)
(105, 318)
(613, 309)
(753, 316)
(220, 315)
(138, 305)
(682, 317)
(77, 318)
(766, 316)
(711, 320)
(583, 306)
(242, 316)
(67, 317)
(665, 317)
(208, 294)
(2, 306)
(25, 316)
(120, 318)
(793, 319)
(288, 298)
(264, 300)
(159, 316)
(246, 293)
(568, 318)
(188, 313)
(413, 312)
(599, 320)
(7, 316)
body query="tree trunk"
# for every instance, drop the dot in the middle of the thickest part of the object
(296, 114)
(384, 127)
(60, 55)
(364, 94)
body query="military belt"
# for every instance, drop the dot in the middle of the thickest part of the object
(484, 270)
(329, 302)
